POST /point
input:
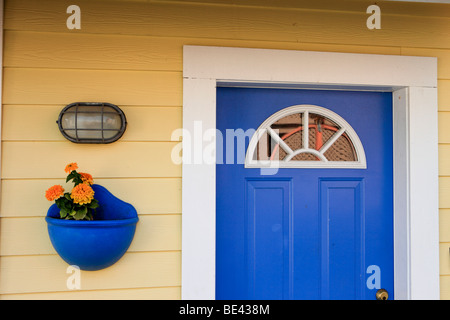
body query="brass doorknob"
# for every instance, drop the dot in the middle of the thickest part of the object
(382, 294)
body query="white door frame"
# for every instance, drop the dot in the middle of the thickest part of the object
(413, 81)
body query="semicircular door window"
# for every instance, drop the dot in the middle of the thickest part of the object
(305, 136)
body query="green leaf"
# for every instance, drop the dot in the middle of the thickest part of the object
(70, 176)
(94, 204)
(77, 181)
(60, 202)
(80, 214)
(76, 178)
(68, 205)
(63, 213)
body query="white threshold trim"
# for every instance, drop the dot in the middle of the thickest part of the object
(413, 81)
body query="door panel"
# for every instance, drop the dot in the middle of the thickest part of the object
(305, 233)
(267, 237)
(342, 217)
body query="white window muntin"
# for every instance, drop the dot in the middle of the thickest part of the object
(305, 110)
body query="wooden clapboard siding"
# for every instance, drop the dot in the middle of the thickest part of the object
(444, 190)
(123, 52)
(445, 287)
(167, 293)
(120, 159)
(148, 195)
(444, 263)
(153, 233)
(144, 123)
(444, 225)
(92, 51)
(232, 22)
(63, 86)
(47, 273)
(416, 9)
(130, 53)
(444, 205)
(444, 129)
(444, 95)
(444, 157)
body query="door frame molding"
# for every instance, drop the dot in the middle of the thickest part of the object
(413, 82)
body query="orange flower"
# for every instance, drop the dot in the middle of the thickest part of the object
(86, 178)
(82, 194)
(54, 192)
(70, 167)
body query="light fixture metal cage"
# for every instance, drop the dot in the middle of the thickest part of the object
(92, 122)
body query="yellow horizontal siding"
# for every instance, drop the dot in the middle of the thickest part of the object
(63, 86)
(444, 129)
(175, 19)
(47, 273)
(169, 293)
(444, 157)
(93, 51)
(444, 225)
(124, 52)
(444, 190)
(120, 159)
(444, 95)
(148, 196)
(437, 10)
(445, 287)
(391, 7)
(444, 258)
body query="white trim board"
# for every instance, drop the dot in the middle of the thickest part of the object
(413, 81)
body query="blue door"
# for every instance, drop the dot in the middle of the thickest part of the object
(305, 232)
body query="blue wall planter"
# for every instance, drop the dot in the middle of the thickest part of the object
(98, 244)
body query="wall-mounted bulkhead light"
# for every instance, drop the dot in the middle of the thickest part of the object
(92, 122)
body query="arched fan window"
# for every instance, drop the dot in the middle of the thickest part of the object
(305, 136)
